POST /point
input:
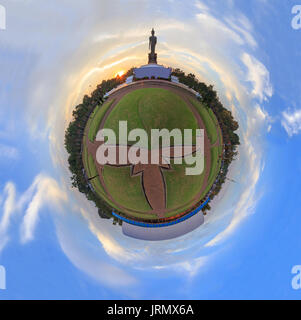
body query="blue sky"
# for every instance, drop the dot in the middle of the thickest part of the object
(53, 245)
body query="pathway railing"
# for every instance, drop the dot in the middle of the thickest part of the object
(161, 225)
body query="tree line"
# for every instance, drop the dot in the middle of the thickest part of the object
(74, 136)
(75, 133)
(226, 121)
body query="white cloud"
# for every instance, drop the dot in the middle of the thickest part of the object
(7, 211)
(103, 272)
(8, 152)
(259, 76)
(43, 191)
(244, 207)
(242, 27)
(213, 49)
(189, 267)
(8, 207)
(291, 122)
(201, 6)
(220, 30)
(47, 192)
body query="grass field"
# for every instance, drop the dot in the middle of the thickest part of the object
(209, 120)
(91, 172)
(152, 108)
(96, 118)
(100, 190)
(113, 176)
(181, 189)
(148, 109)
(125, 189)
(215, 168)
(92, 167)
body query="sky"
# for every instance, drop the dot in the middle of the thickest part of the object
(53, 244)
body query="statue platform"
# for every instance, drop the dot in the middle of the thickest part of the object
(152, 58)
(152, 71)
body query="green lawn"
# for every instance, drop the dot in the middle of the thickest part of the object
(209, 120)
(215, 168)
(147, 109)
(96, 184)
(152, 108)
(214, 164)
(91, 167)
(101, 192)
(133, 189)
(213, 117)
(91, 172)
(181, 189)
(125, 189)
(96, 118)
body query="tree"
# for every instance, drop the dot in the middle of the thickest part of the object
(75, 133)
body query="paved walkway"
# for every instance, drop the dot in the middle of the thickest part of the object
(153, 182)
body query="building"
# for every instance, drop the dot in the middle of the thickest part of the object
(153, 71)
(175, 79)
(169, 232)
(129, 80)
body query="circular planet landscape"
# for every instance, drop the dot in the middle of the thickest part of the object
(152, 201)
(153, 105)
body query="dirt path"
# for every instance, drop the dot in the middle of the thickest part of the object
(152, 177)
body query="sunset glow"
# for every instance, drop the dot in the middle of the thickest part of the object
(120, 73)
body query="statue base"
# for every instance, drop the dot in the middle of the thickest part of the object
(152, 58)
